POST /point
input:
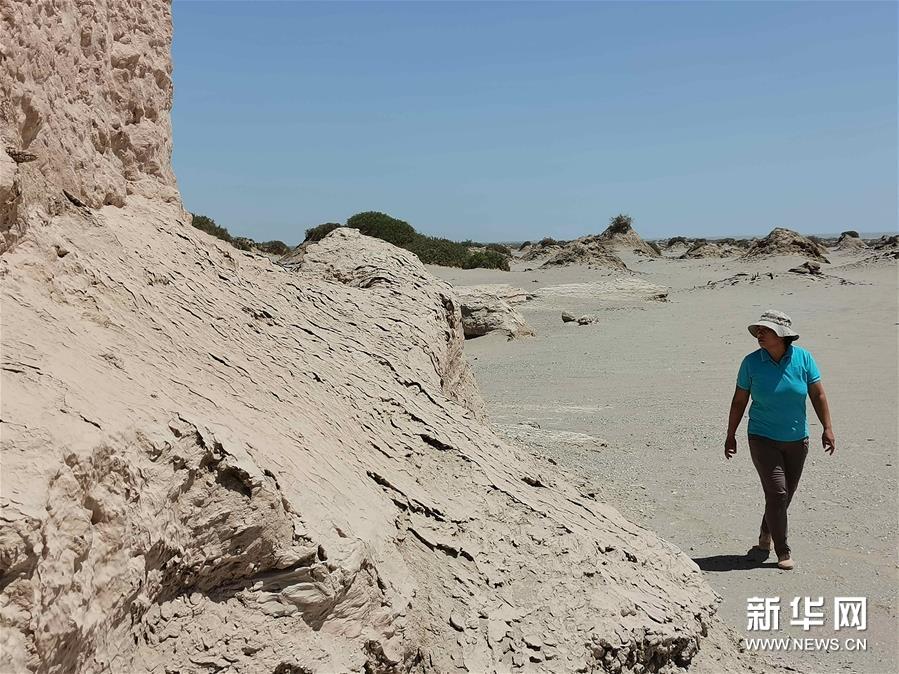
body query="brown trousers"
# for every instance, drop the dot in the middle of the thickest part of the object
(779, 465)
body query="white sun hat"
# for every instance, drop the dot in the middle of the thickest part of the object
(777, 321)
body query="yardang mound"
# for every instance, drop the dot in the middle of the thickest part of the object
(705, 250)
(850, 241)
(620, 234)
(783, 241)
(589, 250)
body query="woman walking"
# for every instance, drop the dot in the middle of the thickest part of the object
(778, 377)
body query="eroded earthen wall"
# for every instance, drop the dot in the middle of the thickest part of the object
(85, 96)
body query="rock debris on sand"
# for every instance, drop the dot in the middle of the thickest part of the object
(488, 309)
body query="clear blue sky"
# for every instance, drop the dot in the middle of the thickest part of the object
(511, 121)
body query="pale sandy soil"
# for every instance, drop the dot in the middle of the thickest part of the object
(654, 381)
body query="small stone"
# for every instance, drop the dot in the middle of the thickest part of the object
(587, 319)
(496, 631)
(533, 641)
(457, 622)
(567, 317)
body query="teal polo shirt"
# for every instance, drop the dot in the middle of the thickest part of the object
(778, 392)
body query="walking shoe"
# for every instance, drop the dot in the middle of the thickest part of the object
(785, 562)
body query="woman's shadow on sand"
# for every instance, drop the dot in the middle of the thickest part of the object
(744, 562)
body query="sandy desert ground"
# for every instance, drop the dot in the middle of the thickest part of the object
(635, 407)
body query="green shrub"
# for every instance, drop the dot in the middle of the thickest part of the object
(208, 225)
(620, 224)
(499, 248)
(382, 226)
(319, 232)
(434, 250)
(242, 243)
(429, 249)
(274, 247)
(488, 259)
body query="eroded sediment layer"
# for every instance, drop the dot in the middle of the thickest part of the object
(210, 458)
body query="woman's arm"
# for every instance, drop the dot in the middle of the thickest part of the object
(822, 409)
(737, 408)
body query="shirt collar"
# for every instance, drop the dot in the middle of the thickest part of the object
(788, 354)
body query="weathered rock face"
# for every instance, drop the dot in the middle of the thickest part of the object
(86, 89)
(484, 310)
(347, 257)
(783, 241)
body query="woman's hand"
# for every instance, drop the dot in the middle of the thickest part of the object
(828, 441)
(737, 407)
(822, 409)
(730, 446)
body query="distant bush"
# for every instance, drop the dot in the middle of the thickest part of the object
(499, 248)
(382, 226)
(274, 247)
(319, 232)
(524, 245)
(549, 242)
(620, 224)
(488, 259)
(434, 250)
(674, 240)
(849, 232)
(429, 249)
(208, 225)
(242, 243)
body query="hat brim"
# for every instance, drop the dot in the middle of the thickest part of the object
(779, 330)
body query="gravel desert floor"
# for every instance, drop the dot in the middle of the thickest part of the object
(634, 406)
